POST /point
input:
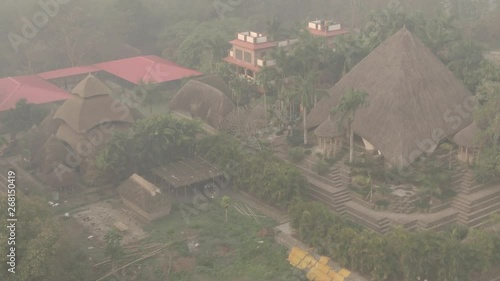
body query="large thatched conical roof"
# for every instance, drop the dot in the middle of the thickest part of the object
(468, 136)
(202, 101)
(330, 129)
(88, 109)
(90, 87)
(412, 99)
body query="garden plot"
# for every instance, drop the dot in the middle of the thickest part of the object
(101, 217)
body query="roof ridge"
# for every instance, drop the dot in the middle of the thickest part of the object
(13, 92)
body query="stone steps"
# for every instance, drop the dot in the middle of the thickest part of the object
(448, 217)
(476, 218)
(362, 216)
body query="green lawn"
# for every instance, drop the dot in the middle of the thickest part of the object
(229, 251)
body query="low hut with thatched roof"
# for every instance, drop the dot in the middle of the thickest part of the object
(144, 198)
(412, 98)
(468, 148)
(205, 99)
(330, 137)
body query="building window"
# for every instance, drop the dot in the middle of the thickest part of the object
(239, 54)
(248, 57)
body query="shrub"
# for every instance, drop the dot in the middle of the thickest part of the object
(320, 167)
(333, 160)
(296, 154)
(308, 152)
(361, 180)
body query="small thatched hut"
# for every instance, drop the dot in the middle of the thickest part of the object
(62, 177)
(144, 198)
(412, 96)
(466, 140)
(205, 99)
(330, 137)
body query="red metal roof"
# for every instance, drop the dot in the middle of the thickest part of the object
(32, 88)
(149, 69)
(328, 33)
(65, 72)
(251, 46)
(243, 64)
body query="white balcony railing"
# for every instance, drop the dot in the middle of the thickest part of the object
(263, 63)
(252, 37)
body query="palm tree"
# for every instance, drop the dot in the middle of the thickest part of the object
(265, 77)
(225, 202)
(347, 107)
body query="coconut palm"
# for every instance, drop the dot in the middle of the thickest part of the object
(346, 108)
(225, 202)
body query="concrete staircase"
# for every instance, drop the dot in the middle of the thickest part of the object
(475, 208)
(367, 218)
(329, 190)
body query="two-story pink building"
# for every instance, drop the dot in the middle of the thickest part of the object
(251, 51)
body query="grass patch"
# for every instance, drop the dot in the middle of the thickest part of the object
(227, 251)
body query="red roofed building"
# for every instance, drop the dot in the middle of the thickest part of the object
(70, 71)
(32, 88)
(67, 78)
(148, 69)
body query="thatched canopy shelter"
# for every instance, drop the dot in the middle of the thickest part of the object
(144, 198)
(204, 101)
(466, 140)
(216, 82)
(93, 139)
(61, 177)
(51, 154)
(330, 136)
(411, 95)
(91, 105)
(187, 172)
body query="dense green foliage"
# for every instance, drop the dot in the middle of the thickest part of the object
(36, 238)
(23, 116)
(261, 174)
(399, 255)
(149, 143)
(487, 116)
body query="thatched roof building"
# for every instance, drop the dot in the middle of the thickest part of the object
(329, 129)
(468, 136)
(409, 89)
(51, 154)
(330, 136)
(187, 172)
(144, 198)
(81, 125)
(205, 100)
(91, 105)
(60, 177)
(468, 148)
